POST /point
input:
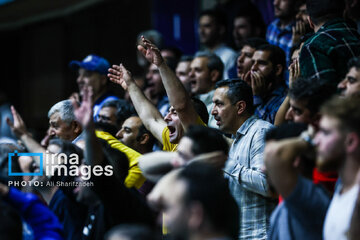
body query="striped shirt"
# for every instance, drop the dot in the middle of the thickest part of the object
(247, 183)
(324, 56)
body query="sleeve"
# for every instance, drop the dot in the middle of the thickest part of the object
(309, 202)
(252, 178)
(135, 177)
(167, 145)
(316, 63)
(44, 223)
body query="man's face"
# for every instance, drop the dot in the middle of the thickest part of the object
(209, 30)
(61, 129)
(283, 9)
(182, 72)
(224, 112)
(330, 146)
(154, 83)
(90, 79)
(298, 112)
(351, 84)
(242, 30)
(244, 61)
(176, 130)
(200, 78)
(129, 131)
(107, 115)
(172, 204)
(262, 64)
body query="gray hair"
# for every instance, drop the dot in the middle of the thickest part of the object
(214, 62)
(65, 110)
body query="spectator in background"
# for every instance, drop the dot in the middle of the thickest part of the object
(212, 29)
(267, 81)
(243, 62)
(192, 211)
(205, 70)
(182, 72)
(324, 55)
(154, 88)
(248, 23)
(92, 72)
(115, 113)
(279, 32)
(351, 83)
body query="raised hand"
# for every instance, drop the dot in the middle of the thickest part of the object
(298, 31)
(258, 84)
(150, 52)
(18, 126)
(120, 75)
(294, 72)
(84, 112)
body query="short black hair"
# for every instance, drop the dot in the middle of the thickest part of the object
(239, 90)
(214, 62)
(277, 55)
(186, 58)
(200, 109)
(286, 130)
(354, 62)
(254, 17)
(254, 42)
(324, 10)
(206, 140)
(315, 93)
(218, 15)
(141, 132)
(123, 109)
(207, 185)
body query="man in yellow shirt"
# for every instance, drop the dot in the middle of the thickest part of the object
(184, 110)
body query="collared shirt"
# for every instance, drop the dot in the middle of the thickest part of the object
(207, 99)
(247, 183)
(324, 56)
(281, 37)
(267, 109)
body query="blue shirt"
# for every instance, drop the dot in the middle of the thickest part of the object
(43, 222)
(302, 214)
(247, 183)
(267, 108)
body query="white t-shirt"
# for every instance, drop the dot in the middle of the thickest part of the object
(338, 216)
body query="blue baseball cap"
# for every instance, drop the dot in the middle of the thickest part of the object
(91, 63)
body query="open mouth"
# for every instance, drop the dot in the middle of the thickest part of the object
(172, 130)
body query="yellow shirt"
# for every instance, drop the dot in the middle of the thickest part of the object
(135, 177)
(171, 147)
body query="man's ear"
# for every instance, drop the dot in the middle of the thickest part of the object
(103, 80)
(315, 120)
(312, 25)
(144, 139)
(214, 75)
(278, 70)
(77, 129)
(352, 142)
(196, 217)
(240, 107)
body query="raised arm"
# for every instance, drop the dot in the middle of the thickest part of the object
(83, 113)
(147, 112)
(279, 162)
(178, 96)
